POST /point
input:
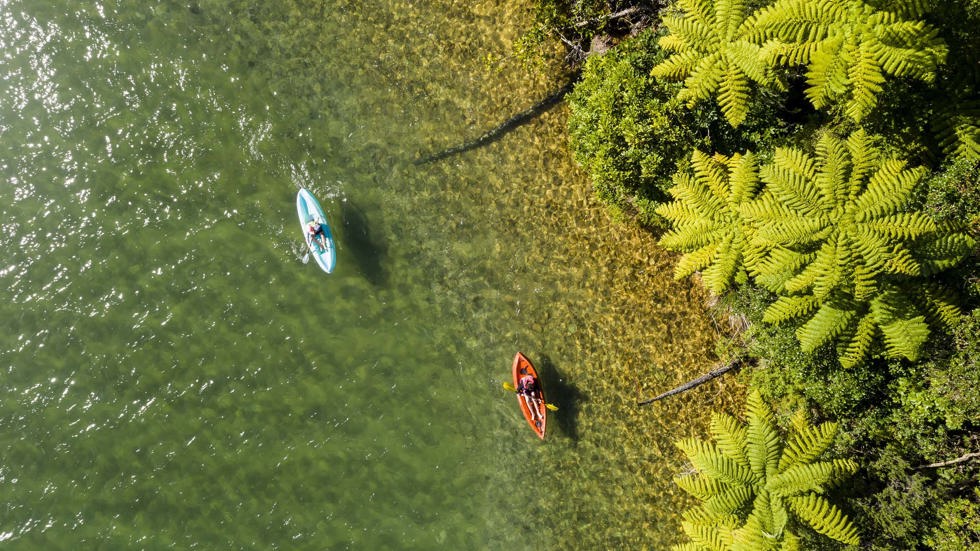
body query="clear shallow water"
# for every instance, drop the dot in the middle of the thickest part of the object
(174, 376)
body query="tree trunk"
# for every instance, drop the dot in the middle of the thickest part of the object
(717, 372)
(958, 460)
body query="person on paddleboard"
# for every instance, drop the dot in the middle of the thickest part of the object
(527, 388)
(315, 233)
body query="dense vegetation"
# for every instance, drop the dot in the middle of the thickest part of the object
(817, 164)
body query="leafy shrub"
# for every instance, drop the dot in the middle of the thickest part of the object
(629, 131)
(626, 129)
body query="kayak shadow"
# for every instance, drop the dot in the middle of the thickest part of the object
(367, 250)
(558, 391)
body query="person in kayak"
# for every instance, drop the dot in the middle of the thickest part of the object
(527, 388)
(316, 234)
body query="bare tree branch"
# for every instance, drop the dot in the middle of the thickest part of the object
(958, 460)
(617, 15)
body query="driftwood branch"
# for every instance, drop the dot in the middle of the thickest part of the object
(714, 374)
(958, 460)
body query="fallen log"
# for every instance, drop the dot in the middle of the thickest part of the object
(713, 374)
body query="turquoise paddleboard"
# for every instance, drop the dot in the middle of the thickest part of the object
(309, 209)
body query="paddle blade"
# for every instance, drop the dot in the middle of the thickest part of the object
(306, 258)
(552, 407)
(509, 387)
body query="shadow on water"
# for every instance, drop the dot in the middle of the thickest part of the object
(367, 250)
(560, 392)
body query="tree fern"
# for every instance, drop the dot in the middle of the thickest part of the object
(713, 54)
(754, 512)
(707, 224)
(830, 231)
(848, 47)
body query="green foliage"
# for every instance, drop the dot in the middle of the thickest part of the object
(959, 526)
(628, 131)
(838, 243)
(899, 417)
(755, 490)
(848, 47)
(706, 220)
(954, 194)
(714, 55)
(575, 21)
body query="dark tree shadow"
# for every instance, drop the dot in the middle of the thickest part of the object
(368, 250)
(558, 391)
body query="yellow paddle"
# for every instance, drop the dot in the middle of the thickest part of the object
(510, 387)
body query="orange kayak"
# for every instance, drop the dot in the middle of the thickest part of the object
(522, 367)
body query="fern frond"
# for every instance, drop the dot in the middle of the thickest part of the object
(904, 329)
(746, 57)
(865, 78)
(958, 129)
(903, 225)
(704, 80)
(763, 448)
(807, 444)
(733, 95)
(777, 53)
(829, 323)
(691, 236)
(705, 537)
(865, 283)
(821, 276)
(694, 261)
(910, 49)
(804, 477)
(835, 168)
(888, 190)
(677, 66)
(865, 158)
(763, 528)
(708, 460)
(731, 437)
(798, 21)
(695, 30)
(743, 178)
(799, 230)
(902, 262)
(827, 72)
(822, 516)
(700, 486)
(857, 348)
(789, 307)
(789, 179)
(702, 11)
(940, 304)
(791, 542)
(678, 212)
(729, 502)
(904, 337)
(720, 274)
(947, 249)
(710, 173)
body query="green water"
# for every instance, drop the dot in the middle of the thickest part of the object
(175, 377)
